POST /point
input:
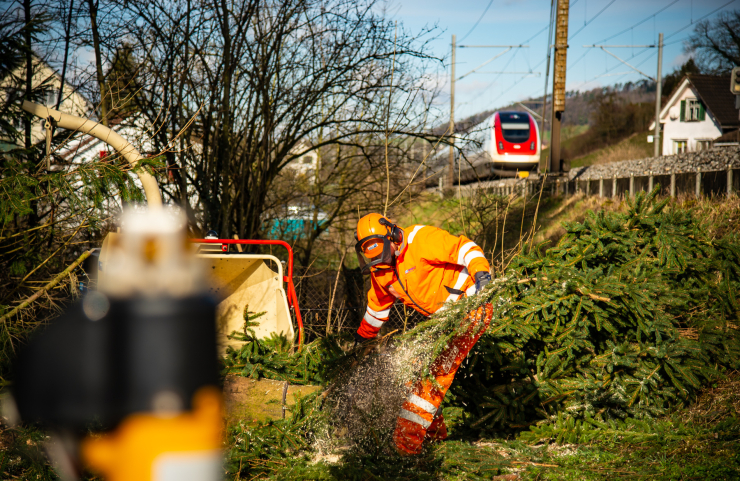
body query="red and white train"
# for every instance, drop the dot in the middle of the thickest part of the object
(515, 144)
(503, 145)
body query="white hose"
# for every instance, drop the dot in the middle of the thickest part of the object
(122, 146)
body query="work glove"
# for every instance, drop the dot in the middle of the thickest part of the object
(482, 279)
(359, 340)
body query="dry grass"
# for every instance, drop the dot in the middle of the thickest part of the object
(631, 148)
(619, 152)
(719, 215)
(716, 403)
(572, 209)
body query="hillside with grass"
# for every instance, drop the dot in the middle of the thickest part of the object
(633, 147)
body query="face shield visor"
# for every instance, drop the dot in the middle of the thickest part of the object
(375, 251)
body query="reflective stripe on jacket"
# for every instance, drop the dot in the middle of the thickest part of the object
(435, 267)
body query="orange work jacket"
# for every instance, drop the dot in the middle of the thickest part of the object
(434, 267)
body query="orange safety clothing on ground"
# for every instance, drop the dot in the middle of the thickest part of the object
(417, 415)
(434, 267)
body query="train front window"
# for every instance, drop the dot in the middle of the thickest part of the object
(515, 127)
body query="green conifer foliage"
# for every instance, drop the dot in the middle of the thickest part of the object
(626, 317)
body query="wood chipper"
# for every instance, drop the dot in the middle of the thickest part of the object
(244, 285)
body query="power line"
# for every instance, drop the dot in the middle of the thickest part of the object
(533, 36)
(664, 44)
(700, 19)
(627, 73)
(690, 24)
(516, 82)
(619, 65)
(490, 84)
(638, 23)
(485, 89)
(594, 18)
(507, 64)
(476, 23)
(608, 38)
(579, 59)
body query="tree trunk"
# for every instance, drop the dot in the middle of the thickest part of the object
(67, 35)
(98, 61)
(29, 70)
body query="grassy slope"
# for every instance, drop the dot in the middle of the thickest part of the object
(567, 137)
(551, 213)
(631, 148)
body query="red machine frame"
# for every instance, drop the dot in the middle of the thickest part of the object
(287, 278)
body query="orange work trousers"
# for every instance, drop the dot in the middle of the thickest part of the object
(418, 417)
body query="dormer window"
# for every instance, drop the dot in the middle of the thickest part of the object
(692, 110)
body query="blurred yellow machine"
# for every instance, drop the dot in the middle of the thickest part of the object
(134, 362)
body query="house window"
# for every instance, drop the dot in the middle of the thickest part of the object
(50, 97)
(692, 110)
(679, 147)
(307, 159)
(703, 145)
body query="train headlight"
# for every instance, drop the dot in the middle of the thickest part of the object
(531, 145)
(500, 145)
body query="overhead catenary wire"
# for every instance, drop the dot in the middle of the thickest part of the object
(664, 43)
(608, 71)
(592, 19)
(623, 74)
(638, 23)
(478, 21)
(489, 61)
(699, 19)
(490, 84)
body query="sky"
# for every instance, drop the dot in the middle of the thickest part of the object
(517, 22)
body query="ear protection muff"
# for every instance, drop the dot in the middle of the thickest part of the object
(394, 232)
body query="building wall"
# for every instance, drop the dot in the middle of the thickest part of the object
(692, 132)
(72, 102)
(306, 163)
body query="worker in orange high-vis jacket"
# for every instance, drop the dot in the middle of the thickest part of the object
(424, 267)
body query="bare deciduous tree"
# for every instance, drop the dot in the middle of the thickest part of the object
(237, 92)
(716, 43)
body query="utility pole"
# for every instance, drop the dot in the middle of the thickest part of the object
(658, 93)
(543, 168)
(558, 82)
(451, 163)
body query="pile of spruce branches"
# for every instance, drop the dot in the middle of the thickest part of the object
(626, 317)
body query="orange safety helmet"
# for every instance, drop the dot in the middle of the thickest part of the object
(374, 235)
